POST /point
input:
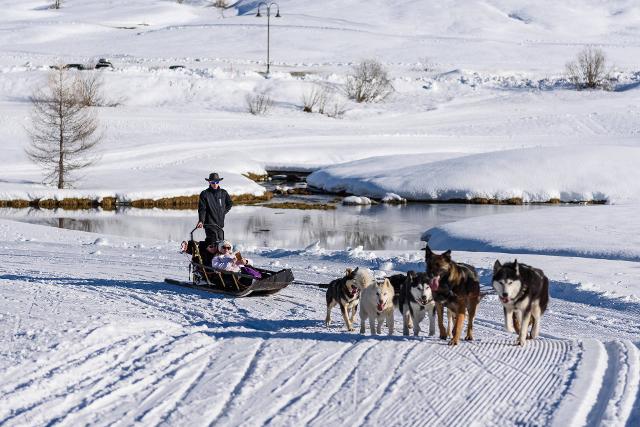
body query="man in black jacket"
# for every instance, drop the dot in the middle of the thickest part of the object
(213, 205)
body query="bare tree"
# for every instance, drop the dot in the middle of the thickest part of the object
(63, 129)
(223, 4)
(588, 70)
(56, 4)
(369, 82)
(259, 104)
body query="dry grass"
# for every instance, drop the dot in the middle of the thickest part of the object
(108, 203)
(300, 205)
(191, 202)
(250, 199)
(256, 177)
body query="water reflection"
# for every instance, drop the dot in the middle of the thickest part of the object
(373, 227)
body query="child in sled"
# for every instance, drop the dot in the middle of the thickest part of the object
(227, 260)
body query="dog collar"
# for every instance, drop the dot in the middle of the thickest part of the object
(521, 294)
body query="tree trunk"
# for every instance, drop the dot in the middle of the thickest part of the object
(61, 148)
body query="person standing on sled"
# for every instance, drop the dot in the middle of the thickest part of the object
(213, 205)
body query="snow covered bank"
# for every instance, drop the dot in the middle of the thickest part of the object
(611, 232)
(567, 174)
(114, 179)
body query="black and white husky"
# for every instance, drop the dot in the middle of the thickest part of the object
(524, 293)
(416, 301)
(345, 292)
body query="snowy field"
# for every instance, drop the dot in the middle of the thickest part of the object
(93, 336)
(470, 78)
(482, 109)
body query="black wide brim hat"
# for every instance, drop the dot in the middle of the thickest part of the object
(213, 176)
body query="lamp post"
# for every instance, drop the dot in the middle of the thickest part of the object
(268, 6)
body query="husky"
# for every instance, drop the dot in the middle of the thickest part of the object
(397, 281)
(345, 292)
(416, 301)
(455, 286)
(377, 305)
(524, 293)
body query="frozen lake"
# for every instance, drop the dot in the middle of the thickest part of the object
(378, 227)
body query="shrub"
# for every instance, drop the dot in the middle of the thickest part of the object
(588, 70)
(369, 82)
(323, 99)
(317, 96)
(259, 104)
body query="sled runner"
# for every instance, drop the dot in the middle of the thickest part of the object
(251, 281)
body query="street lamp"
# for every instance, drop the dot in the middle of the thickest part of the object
(258, 15)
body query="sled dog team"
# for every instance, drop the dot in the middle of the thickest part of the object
(522, 290)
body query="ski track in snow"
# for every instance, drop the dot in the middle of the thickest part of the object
(111, 344)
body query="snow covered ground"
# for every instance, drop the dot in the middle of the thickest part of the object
(105, 341)
(586, 231)
(481, 108)
(471, 77)
(567, 174)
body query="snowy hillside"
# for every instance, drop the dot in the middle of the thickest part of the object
(469, 76)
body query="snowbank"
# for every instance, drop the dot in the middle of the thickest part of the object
(611, 232)
(568, 174)
(355, 200)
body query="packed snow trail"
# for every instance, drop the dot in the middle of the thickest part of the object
(94, 336)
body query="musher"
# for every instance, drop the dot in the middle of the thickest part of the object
(213, 205)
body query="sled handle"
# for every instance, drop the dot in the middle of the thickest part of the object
(196, 227)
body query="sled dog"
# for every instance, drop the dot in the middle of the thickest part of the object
(397, 281)
(455, 286)
(345, 292)
(376, 304)
(524, 293)
(416, 301)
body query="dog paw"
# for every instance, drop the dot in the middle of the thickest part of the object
(443, 337)
(468, 338)
(453, 342)
(520, 342)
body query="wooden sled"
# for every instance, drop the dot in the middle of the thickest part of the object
(235, 284)
(204, 277)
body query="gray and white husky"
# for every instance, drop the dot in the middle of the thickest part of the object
(524, 293)
(416, 301)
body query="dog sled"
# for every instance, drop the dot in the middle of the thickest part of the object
(257, 282)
